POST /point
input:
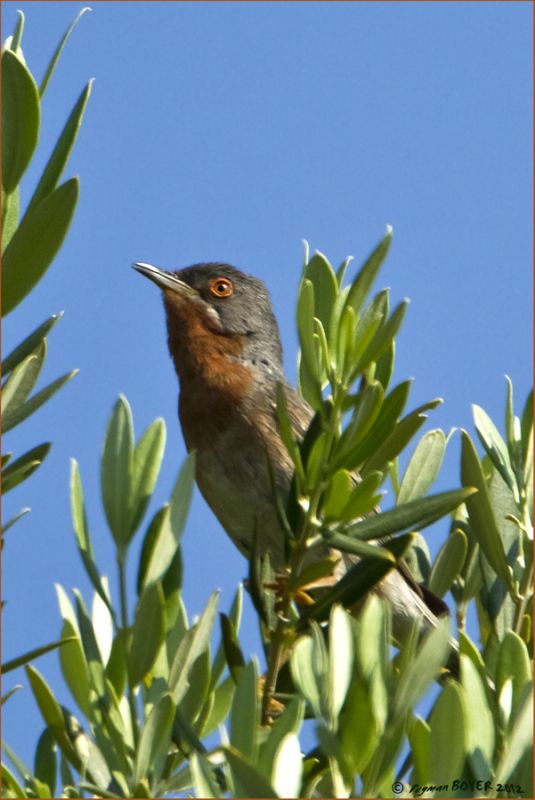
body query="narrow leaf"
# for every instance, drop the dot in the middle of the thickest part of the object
(480, 511)
(81, 531)
(29, 344)
(448, 563)
(54, 60)
(147, 459)
(155, 737)
(38, 399)
(116, 471)
(148, 633)
(415, 514)
(36, 242)
(368, 272)
(423, 467)
(20, 120)
(31, 655)
(24, 466)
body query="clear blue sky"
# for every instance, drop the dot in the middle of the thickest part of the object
(230, 131)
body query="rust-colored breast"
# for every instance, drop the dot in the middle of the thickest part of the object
(212, 382)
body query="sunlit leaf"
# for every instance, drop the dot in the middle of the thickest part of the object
(116, 471)
(29, 344)
(20, 120)
(148, 632)
(36, 242)
(423, 467)
(62, 150)
(448, 563)
(54, 60)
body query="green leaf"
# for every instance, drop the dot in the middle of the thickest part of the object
(447, 740)
(91, 649)
(249, 782)
(357, 547)
(368, 272)
(116, 472)
(526, 423)
(182, 494)
(424, 668)
(45, 765)
(203, 777)
(519, 741)
(10, 782)
(513, 663)
(10, 215)
(62, 150)
(24, 466)
(423, 467)
(382, 339)
(74, 667)
(54, 60)
(321, 274)
(19, 385)
(29, 344)
(148, 633)
(220, 709)
(52, 714)
(356, 583)
(289, 722)
(147, 459)
(309, 665)
(245, 713)
(369, 324)
(480, 737)
(358, 715)
(363, 498)
(81, 531)
(448, 563)
(287, 771)
(384, 424)
(305, 325)
(234, 617)
(195, 641)
(233, 654)
(384, 365)
(154, 740)
(36, 242)
(20, 120)
(480, 511)
(400, 437)
(416, 514)
(38, 399)
(337, 494)
(7, 525)
(494, 445)
(20, 661)
(366, 411)
(340, 659)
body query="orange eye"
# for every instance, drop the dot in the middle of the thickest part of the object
(221, 287)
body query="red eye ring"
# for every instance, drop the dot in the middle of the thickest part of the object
(221, 287)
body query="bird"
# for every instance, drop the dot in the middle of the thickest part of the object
(225, 345)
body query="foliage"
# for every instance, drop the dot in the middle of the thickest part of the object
(29, 244)
(30, 241)
(336, 707)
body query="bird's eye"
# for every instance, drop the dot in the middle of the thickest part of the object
(221, 287)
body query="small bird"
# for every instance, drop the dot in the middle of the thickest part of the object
(225, 344)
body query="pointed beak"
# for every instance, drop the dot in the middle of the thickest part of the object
(166, 280)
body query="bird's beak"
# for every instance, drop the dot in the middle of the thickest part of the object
(166, 280)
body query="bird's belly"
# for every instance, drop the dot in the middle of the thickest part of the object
(234, 482)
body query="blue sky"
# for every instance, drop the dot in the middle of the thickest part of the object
(231, 131)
